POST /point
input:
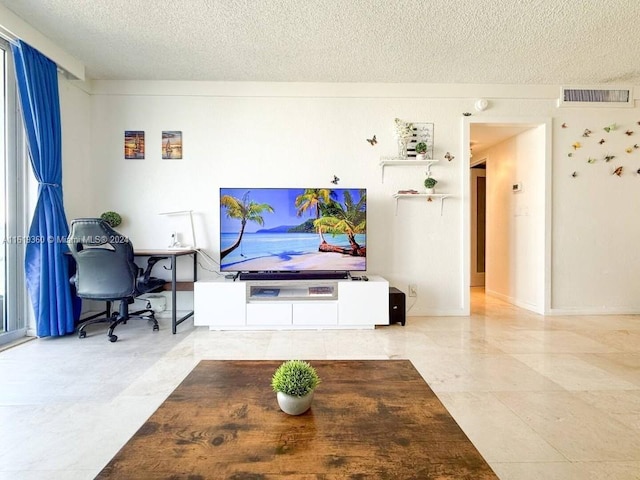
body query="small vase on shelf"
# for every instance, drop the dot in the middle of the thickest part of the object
(403, 143)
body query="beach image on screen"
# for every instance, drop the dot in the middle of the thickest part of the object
(292, 229)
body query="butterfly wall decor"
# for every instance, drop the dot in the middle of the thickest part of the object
(586, 132)
(576, 145)
(601, 141)
(629, 132)
(372, 141)
(591, 160)
(610, 128)
(335, 180)
(466, 114)
(448, 156)
(628, 149)
(618, 171)
(608, 158)
(574, 174)
(564, 125)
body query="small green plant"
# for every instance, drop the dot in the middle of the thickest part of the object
(295, 377)
(421, 147)
(430, 182)
(112, 218)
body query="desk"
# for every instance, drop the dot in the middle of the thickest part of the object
(370, 419)
(172, 255)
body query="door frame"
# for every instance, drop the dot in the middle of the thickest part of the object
(544, 285)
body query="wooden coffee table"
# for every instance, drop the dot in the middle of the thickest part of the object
(374, 419)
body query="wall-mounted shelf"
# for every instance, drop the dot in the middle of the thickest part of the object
(395, 161)
(428, 196)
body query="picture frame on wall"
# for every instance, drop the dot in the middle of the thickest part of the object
(422, 132)
(134, 145)
(172, 145)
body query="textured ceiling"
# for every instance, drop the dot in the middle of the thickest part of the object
(576, 42)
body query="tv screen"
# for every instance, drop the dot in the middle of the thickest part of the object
(293, 229)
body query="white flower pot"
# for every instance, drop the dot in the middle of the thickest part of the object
(421, 156)
(430, 191)
(294, 405)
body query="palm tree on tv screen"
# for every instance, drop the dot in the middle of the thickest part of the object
(245, 211)
(313, 199)
(349, 219)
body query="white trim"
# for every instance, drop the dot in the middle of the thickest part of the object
(545, 286)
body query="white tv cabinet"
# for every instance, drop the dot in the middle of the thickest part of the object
(291, 304)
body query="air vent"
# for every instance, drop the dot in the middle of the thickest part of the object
(596, 97)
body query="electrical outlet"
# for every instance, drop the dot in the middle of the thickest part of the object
(413, 290)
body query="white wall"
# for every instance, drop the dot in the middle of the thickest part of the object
(302, 134)
(515, 220)
(596, 260)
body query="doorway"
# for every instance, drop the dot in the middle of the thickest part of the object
(478, 202)
(510, 196)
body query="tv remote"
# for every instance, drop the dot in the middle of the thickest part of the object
(365, 278)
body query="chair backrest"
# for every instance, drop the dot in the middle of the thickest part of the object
(105, 269)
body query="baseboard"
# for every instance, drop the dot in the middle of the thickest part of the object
(514, 301)
(593, 311)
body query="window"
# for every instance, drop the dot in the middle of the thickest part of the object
(12, 289)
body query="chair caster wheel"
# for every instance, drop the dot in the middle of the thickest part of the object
(156, 328)
(113, 338)
(82, 334)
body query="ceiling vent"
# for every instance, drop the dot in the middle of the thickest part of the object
(596, 97)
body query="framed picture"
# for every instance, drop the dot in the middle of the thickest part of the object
(422, 132)
(134, 145)
(172, 145)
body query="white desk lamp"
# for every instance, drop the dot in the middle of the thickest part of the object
(175, 244)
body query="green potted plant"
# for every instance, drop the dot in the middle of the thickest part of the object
(429, 184)
(112, 218)
(421, 151)
(294, 383)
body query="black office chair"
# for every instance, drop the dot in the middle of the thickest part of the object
(106, 271)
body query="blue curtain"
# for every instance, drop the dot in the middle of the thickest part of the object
(46, 266)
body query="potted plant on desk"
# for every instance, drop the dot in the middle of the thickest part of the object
(112, 218)
(294, 383)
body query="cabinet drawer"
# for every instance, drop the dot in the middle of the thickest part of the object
(265, 314)
(315, 313)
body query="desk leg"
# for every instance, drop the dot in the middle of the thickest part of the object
(174, 286)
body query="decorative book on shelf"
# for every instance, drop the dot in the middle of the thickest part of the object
(265, 292)
(323, 291)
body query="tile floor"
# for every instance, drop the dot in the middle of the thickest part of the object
(551, 398)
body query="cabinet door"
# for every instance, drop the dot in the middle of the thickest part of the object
(315, 313)
(219, 304)
(363, 303)
(268, 314)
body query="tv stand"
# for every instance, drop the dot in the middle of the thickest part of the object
(280, 275)
(225, 304)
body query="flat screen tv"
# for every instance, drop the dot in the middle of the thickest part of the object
(294, 230)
